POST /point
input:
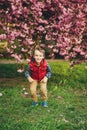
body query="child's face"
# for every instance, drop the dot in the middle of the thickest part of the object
(38, 56)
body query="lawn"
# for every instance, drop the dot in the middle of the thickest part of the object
(67, 100)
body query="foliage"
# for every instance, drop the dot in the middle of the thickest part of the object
(60, 26)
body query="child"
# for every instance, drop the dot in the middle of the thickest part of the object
(38, 71)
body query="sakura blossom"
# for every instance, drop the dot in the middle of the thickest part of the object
(1, 94)
(20, 70)
(59, 25)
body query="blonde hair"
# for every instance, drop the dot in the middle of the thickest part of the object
(40, 50)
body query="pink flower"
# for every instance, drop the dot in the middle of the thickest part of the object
(2, 36)
(24, 26)
(29, 41)
(1, 94)
(50, 46)
(43, 21)
(13, 46)
(40, 4)
(20, 70)
(82, 53)
(42, 45)
(9, 50)
(1, 55)
(59, 45)
(59, 21)
(77, 49)
(25, 10)
(24, 50)
(48, 37)
(48, 1)
(63, 52)
(86, 56)
(28, 60)
(31, 31)
(40, 14)
(55, 50)
(66, 57)
(40, 28)
(17, 57)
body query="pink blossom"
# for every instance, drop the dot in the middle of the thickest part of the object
(40, 13)
(9, 50)
(24, 26)
(43, 21)
(32, 31)
(29, 41)
(20, 70)
(28, 60)
(40, 28)
(17, 57)
(82, 53)
(42, 45)
(55, 50)
(40, 4)
(77, 49)
(86, 56)
(48, 37)
(50, 46)
(1, 55)
(60, 24)
(2, 36)
(55, 33)
(24, 50)
(66, 57)
(1, 94)
(63, 52)
(13, 46)
(25, 10)
(59, 45)
(48, 1)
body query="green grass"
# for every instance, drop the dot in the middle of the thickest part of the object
(67, 100)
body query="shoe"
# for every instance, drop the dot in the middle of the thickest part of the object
(44, 104)
(34, 104)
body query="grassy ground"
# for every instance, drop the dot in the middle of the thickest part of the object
(67, 100)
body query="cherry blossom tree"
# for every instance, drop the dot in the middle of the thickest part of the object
(59, 25)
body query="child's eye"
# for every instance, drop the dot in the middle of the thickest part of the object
(40, 55)
(36, 55)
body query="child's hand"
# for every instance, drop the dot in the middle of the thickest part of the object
(30, 79)
(44, 79)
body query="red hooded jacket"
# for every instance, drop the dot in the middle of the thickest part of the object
(38, 72)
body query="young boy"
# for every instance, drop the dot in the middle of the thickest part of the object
(38, 71)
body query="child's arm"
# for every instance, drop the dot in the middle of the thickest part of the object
(49, 72)
(28, 73)
(48, 75)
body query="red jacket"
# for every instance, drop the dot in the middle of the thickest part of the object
(38, 72)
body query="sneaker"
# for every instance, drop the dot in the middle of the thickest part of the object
(34, 104)
(44, 104)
